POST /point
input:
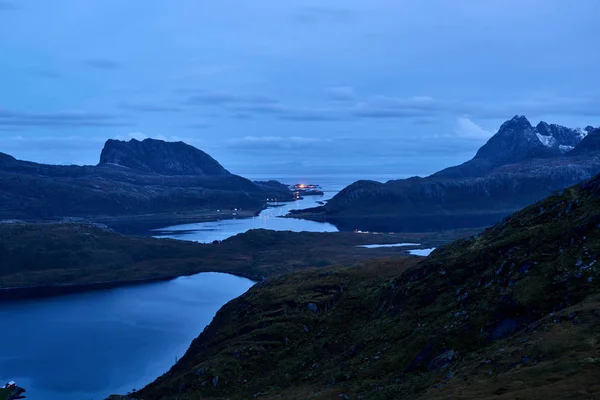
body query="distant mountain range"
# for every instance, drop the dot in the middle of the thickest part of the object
(132, 178)
(519, 165)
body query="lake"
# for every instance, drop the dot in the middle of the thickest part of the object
(206, 232)
(89, 345)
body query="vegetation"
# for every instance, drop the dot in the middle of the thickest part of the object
(36, 255)
(509, 314)
(10, 393)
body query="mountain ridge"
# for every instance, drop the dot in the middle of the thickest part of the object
(161, 157)
(154, 181)
(513, 169)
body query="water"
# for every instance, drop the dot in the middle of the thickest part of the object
(89, 345)
(206, 232)
(377, 246)
(421, 252)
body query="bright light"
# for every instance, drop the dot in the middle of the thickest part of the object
(302, 186)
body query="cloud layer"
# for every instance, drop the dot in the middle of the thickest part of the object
(60, 119)
(352, 82)
(102, 63)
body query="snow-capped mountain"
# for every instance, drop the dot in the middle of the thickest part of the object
(519, 165)
(516, 141)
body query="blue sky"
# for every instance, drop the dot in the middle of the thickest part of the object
(406, 86)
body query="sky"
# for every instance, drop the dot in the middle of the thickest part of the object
(396, 85)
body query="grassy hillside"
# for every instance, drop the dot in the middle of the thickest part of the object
(510, 314)
(67, 254)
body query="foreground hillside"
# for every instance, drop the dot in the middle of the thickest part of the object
(519, 165)
(152, 178)
(510, 314)
(54, 258)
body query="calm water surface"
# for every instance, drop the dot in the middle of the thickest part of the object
(89, 345)
(206, 232)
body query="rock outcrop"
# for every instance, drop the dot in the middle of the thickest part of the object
(133, 178)
(160, 157)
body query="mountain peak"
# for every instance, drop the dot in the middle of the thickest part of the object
(516, 122)
(161, 157)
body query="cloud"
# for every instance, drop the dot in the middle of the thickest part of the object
(6, 5)
(249, 106)
(167, 138)
(216, 98)
(102, 63)
(425, 107)
(60, 119)
(198, 125)
(225, 98)
(539, 105)
(277, 142)
(390, 107)
(340, 93)
(467, 129)
(53, 143)
(312, 114)
(291, 113)
(147, 107)
(45, 73)
(259, 108)
(425, 120)
(201, 71)
(315, 15)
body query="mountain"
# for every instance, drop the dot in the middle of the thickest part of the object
(590, 144)
(519, 165)
(157, 156)
(509, 314)
(517, 141)
(164, 181)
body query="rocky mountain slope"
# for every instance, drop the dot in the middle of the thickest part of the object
(160, 157)
(133, 178)
(518, 166)
(509, 314)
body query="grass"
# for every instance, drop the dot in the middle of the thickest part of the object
(509, 314)
(67, 254)
(7, 393)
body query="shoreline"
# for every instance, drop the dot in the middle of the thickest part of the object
(46, 291)
(143, 225)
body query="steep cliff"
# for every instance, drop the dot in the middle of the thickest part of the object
(134, 178)
(157, 156)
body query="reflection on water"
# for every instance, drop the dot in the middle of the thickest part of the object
(206, 232)
(89, 345)
(421, 252)
(331, 184)
(376, 246)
